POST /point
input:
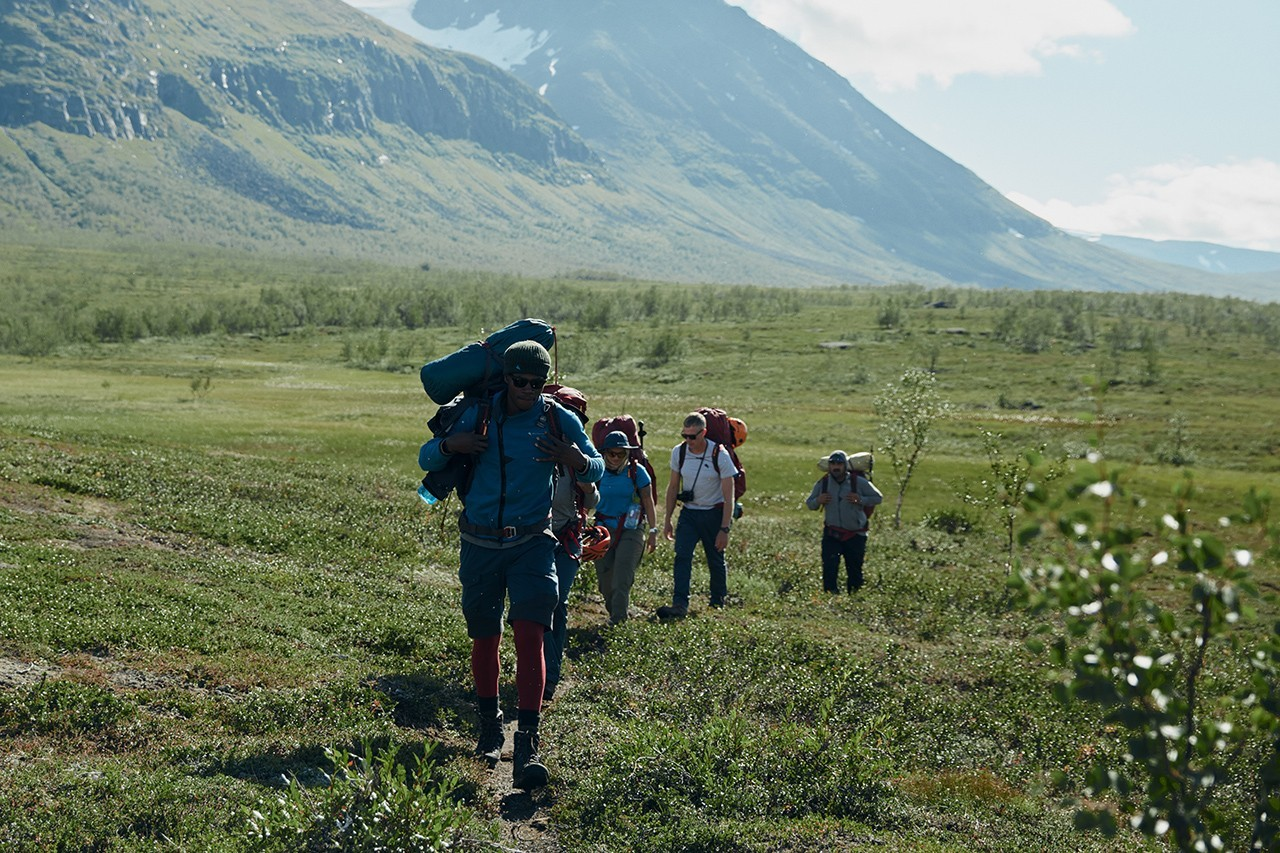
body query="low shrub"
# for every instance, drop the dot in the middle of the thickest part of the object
(372, 802)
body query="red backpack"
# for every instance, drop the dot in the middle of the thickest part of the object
(573, 400)
(729, 433)
(634, 431)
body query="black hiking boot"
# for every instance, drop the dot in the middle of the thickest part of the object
(491, 740)
(527, 771)
(672, 611)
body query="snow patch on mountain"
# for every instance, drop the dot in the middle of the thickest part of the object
(504, 46)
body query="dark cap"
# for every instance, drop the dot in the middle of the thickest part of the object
(527, 357)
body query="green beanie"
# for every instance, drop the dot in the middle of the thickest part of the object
(527, 357)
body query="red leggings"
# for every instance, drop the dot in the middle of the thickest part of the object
(531, 673)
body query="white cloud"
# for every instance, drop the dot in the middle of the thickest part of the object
(1237, 204)
(897, 43)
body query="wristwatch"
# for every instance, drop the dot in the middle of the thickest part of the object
(652, 531)
(724, 530)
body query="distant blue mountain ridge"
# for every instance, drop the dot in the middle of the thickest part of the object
(1209, 257)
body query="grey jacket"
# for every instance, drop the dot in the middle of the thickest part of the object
(840, 513)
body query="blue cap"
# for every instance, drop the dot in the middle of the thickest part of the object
(616, 440)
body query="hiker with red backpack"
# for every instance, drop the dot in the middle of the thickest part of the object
(702, 479)
(849, 498)
(626, 508)
(507, 549)
(570, 503)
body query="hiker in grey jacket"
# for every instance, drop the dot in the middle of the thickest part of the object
(847, 498)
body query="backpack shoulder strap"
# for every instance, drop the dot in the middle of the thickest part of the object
(556, 428)
(715, 454)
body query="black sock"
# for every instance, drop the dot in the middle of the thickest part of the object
(487, 706)
(527, 721)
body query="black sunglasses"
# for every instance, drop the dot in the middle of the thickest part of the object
(521, 382)
(688, 437)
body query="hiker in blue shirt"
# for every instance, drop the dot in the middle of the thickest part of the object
(507, 548)
(626, 508)
(848, 498)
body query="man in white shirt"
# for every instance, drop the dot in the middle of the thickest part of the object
(702, 475)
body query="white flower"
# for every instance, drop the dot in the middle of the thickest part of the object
(1109, 562)
(1142, 661)
(1091, 608)
(1102, 489)
(1243, 557)
(1170, 521)
(1160, 559)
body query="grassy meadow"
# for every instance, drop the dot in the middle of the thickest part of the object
(216, 580)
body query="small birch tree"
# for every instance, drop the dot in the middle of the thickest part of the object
(1012, 469)
(908, 408)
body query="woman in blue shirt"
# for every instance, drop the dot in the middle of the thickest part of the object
(626, 508)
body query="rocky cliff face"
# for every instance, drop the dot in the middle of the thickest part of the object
(115, 67)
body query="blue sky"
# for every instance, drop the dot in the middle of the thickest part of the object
(1145, 118)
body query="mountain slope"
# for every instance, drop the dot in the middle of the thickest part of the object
(740, 132)
(1210, 257)
(294, 125)
(706, 147)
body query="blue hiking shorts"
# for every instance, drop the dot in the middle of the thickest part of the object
(525, 573)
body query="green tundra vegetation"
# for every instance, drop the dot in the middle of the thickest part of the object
(229, 624)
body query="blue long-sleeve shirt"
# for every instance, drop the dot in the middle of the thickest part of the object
(510, 487)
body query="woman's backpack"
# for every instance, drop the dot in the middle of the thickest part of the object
(634, 431)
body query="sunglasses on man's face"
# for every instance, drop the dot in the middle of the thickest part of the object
(690, 436)
(522, 382)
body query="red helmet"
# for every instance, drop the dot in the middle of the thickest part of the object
(595, 542)
(571, 398)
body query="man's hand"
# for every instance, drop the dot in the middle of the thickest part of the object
(466, 442)
(853, 498)
(561, 451)
(824, 498)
